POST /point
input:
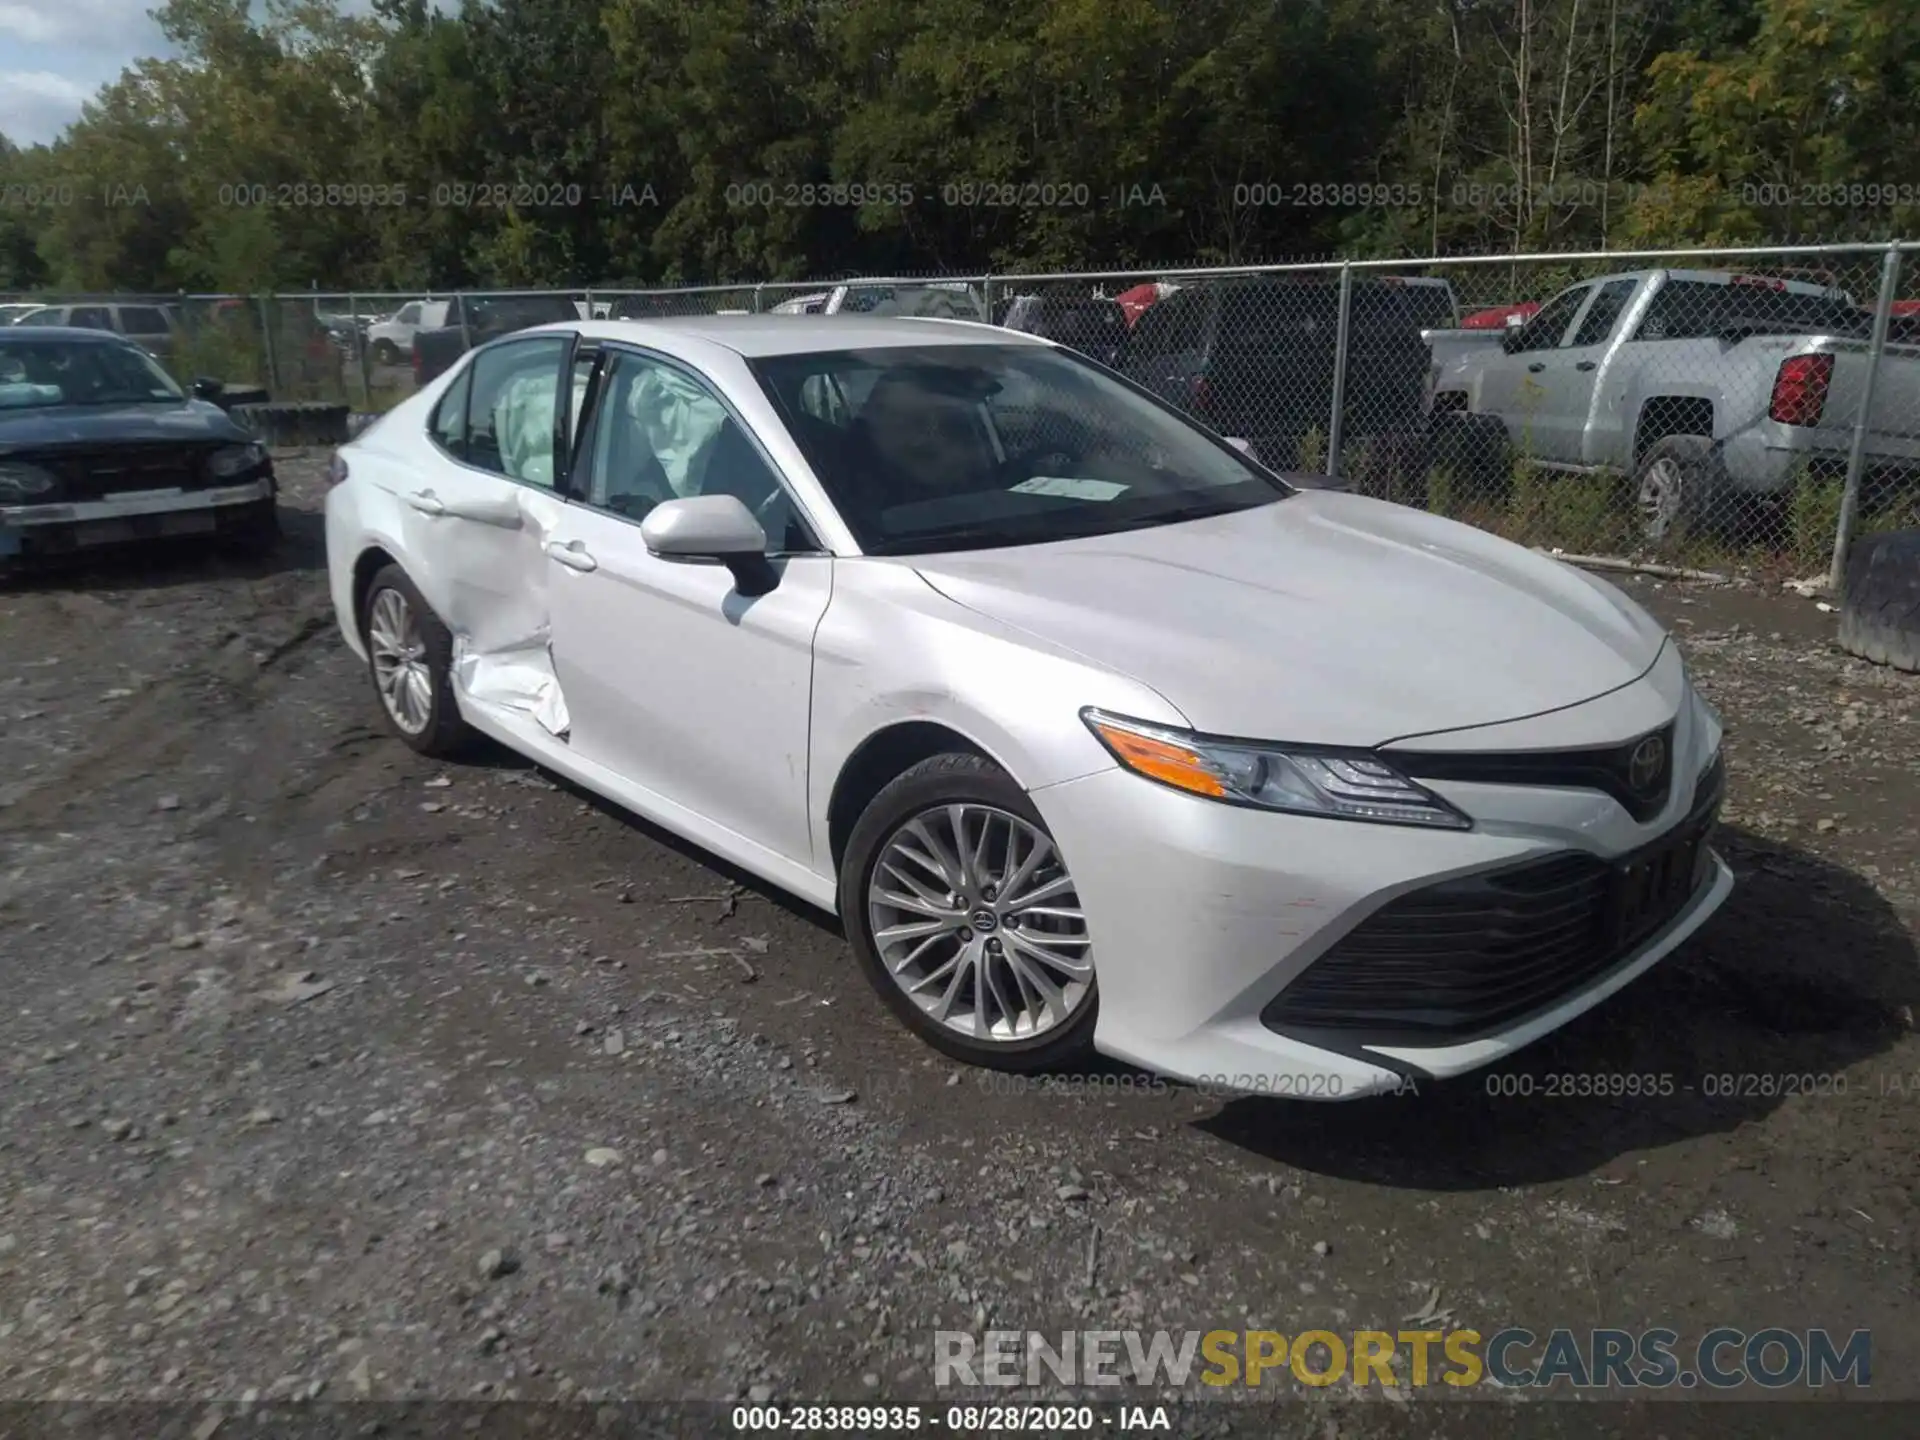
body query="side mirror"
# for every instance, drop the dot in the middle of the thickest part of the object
(712, 527)
(1510, 339)
(205, 387)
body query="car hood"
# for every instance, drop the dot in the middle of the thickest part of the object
(188, 421)
(1326, 618)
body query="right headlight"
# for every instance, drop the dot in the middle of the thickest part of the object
(17, 482)
(1303, 779)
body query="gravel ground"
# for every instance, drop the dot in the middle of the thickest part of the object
(333, 1073)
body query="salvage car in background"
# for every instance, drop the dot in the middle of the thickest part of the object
(99, 446)
(475, 320)
(1093, 325)
(1713, 391)
(1254, 359)
(147, 325)
(1095, 732)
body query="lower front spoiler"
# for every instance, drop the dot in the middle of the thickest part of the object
(1244, 1057)
(27, 531)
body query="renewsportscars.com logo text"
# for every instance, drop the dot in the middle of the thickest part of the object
(1721, 1359)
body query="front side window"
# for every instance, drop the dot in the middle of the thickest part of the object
(510, 414)
(409, 314)
(91, 317)
(1544, 330)
(51, 316)
(961, 447)
(661, 433)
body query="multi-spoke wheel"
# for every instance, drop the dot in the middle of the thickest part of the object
(408, 654)
(967, 919)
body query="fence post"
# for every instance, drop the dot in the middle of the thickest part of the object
(466, 329)
(986, 296)
(1857, 453)
(1334, 425)
(360, 350)
(756, 297)
(266, 344)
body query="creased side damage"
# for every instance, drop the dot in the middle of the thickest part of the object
(503, 657)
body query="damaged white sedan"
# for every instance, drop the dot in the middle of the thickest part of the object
(1095, 733)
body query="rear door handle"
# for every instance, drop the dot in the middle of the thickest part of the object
(426, 502)
(1536, 367)
(1588, 365)
(574, 556)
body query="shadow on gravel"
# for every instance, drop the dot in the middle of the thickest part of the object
(724, 872)
(1805, 972)
(163, 564)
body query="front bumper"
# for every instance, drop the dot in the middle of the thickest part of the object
(1203, 915)
(117, 519)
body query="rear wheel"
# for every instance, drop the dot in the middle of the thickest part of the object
(410, 659)
(1674, 485)
(966, 920)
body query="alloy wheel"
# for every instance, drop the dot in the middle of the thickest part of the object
(1662, 487)
(400, 666)
(976, 919)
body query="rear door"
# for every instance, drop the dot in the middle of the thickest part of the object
(476, 524)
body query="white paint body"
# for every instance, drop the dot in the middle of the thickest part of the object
(1324, 618)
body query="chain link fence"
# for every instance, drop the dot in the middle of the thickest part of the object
(1709, 409)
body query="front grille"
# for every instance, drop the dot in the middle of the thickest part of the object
(98, 472)
(1607, 769)
(1476, 954)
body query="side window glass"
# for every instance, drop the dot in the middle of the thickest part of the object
(661, 434)
(91, 317)
(409, 314)
(583, 363)
(510, 418)
(449, 425)
(1597, 324)
(1544, 330)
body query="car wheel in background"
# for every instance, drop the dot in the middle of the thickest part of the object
(965, 918)
(385, 352)
(1674, 486)
(1475, 457)
(1880, 603)
(410, 660)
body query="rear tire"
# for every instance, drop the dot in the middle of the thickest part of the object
(1675, 485)
(963, 965)
(1475, 451)
(410, 662)
(1880, 603)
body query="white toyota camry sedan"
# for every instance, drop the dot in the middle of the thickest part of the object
(1096, 734)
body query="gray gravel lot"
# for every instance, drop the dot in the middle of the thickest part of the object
(331, 1073)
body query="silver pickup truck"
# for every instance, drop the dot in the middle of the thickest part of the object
(1713, 391)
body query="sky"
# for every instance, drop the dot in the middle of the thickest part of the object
(55, 53)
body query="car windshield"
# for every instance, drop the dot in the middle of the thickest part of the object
(965, 447)
(38, 373)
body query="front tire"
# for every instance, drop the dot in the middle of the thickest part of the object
(410, 661)
(965, 918)
(385, 352)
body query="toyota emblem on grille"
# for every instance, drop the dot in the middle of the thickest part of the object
(1647, 763)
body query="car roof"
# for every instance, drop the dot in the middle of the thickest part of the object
(754, 336)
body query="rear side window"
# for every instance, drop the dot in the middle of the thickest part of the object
(449, 423)
(510, 412)
(143, 320)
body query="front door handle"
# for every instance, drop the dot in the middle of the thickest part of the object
(574, 555)
(1536, 367)
(426, 502)
(1588, 365)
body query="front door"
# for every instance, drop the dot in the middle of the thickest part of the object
(674, 680)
